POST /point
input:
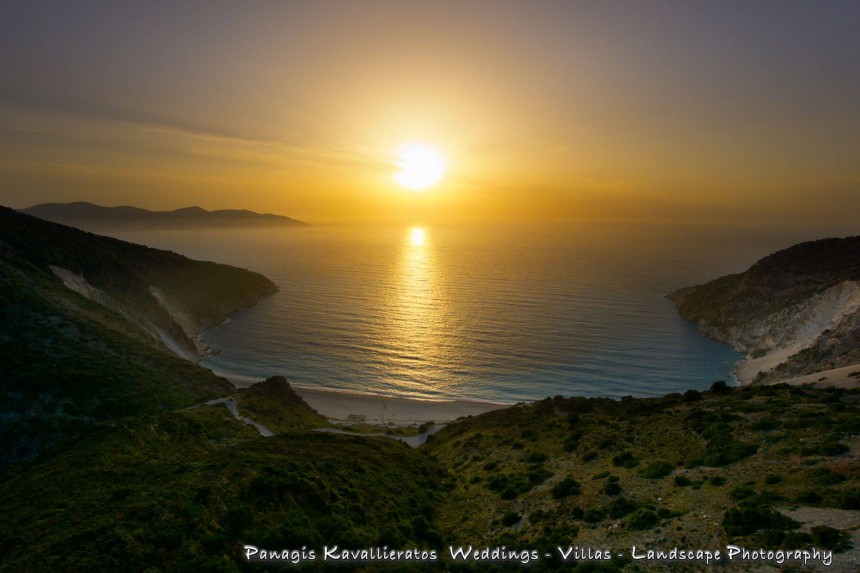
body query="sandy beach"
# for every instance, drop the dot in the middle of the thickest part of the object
(350, 407)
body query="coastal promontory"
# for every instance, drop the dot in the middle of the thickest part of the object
(794, 313)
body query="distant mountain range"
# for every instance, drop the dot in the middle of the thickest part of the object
(89, 216)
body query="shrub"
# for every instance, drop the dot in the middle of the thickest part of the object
(741, 492)
(539, 475)
(511, 518)
(566, 487)
(824, 476)
(643, 518)
(510, 493)
(747, 520)
(720, 387)
(849, 499)
(772, 479)
(625, 459)
(594, 515)
(658, 469)
(808, 496)
(691, 396)
(497, 483)
(682, 481)
(827, 537)
(612, 488)
(621, 506)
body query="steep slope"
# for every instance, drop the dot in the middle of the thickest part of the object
(73, 356)
(794, 312)
(165, 294)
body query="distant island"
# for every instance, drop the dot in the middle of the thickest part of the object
(89, 216)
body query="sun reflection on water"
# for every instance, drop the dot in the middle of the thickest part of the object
(416, 317)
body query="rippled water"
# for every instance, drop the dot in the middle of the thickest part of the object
(499, 314)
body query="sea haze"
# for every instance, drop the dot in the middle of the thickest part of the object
(484, 313)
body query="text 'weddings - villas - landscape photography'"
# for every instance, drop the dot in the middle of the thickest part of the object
(389, 285)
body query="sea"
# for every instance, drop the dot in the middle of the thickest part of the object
(497, 313)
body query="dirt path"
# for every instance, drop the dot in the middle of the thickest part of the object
(233, 406)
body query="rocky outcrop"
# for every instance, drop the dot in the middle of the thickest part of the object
(794, 312)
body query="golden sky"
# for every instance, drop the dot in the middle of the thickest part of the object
(706, 111)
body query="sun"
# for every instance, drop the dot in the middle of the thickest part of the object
(421, 166)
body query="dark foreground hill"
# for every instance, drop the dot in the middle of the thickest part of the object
(796, 311)
(95, 217)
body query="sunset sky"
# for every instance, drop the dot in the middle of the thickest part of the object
(684, 111)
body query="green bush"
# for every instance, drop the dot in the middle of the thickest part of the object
(643, 518)
(658, 469)
(625, 459)
(565, 488)
(826, 537)
(594, 515)
(612, 488)
(747, 520)
(621, 506)
(741, 492)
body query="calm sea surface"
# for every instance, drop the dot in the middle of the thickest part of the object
(498, 314)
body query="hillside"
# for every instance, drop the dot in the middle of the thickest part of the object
(793, 313)
(169, 296)
(95, 217)
(93, 329)
(698, 470)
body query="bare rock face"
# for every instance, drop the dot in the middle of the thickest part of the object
(794, 312)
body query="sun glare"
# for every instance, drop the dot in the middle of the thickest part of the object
(421, 167)
(417, 237)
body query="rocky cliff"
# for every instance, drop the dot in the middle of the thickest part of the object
(794, 312)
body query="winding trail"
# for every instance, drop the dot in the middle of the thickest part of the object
(233, 406)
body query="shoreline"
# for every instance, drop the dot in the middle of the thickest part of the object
(350, 407)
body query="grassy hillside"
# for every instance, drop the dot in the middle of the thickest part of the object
(692, 470)
(68, 361)
(186, 490)
(183, 491)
